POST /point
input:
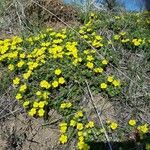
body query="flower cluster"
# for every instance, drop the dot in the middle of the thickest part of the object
(49, 71)
(81, 129)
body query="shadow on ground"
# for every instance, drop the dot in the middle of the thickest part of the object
(128, 145)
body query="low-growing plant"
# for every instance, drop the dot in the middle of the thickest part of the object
(51, 70)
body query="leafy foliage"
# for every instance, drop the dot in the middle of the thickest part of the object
(51, 70)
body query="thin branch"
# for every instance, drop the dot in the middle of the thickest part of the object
(99, 117)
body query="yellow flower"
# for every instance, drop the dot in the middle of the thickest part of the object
(136, 42)
(116, 82)
(79, 126)
(81, 138)
(72, 123)
(27, 75)
(65, 105)
(63, 129)
(26, 103)
(45, 95)
(63, 124)
(88, 30)
(113, 126)
(92, 14)
(11, 67)
(35, 104)
(117, 17)
(132, 122)
(90, 65)
(85, 36)
(79, 114)
(103, 85)
(86, 52)
(32, 112)
(116, 37)
(20, 64)
(63, 139)
(55, 84)
(125, 40)
(18, 96)
(49, 29)
(23, 88)
(90, 124)
(97, 37)
(41, 104)
(61, 80)
(75, 62)
(81, 32)
(82, 145)
(110, 78)
(38, 93)
(143, 128)
(16, 81)
(97, 44)
(57, 71)
(41, 112)
(90, 58)
(104, 62)
(98, 70)
(122, 33)
(22, 55)
(52, 33)
(68, 105)
(79, 59)
(45, 84)
(56, 41)
(80, 133)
